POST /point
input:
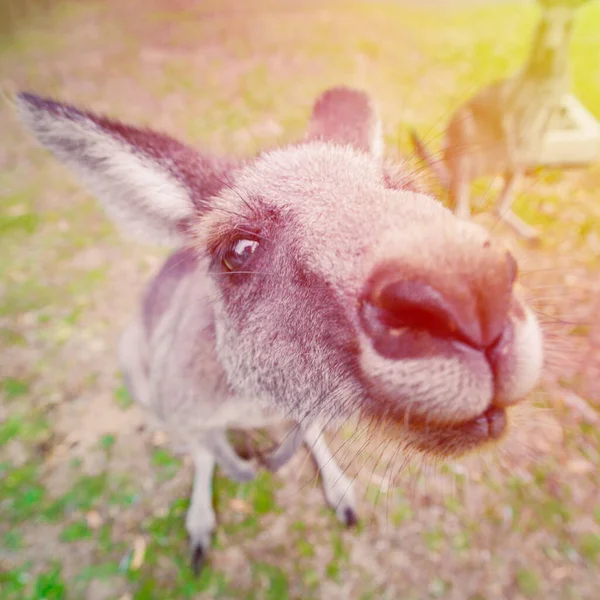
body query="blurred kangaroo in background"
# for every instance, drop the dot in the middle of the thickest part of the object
(501, 129)
(312, 282)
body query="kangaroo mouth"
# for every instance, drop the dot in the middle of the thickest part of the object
(449, 413)
(453, 440)
(491, 425)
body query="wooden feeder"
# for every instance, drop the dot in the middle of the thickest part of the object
(573, 136)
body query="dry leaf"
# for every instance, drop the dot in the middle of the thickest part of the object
(579, 466)
(159, 438)
(139, 551)
(240, 506)
(560, 573)
(93, 519)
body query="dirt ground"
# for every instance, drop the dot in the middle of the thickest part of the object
(92, 503)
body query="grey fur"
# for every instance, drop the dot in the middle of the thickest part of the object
(329, 234)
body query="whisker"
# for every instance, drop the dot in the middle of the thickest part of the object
(233, 273)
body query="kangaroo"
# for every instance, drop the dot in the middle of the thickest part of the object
(501, 129)
(310, 283)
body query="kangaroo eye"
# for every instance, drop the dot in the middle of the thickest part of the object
(239, 253)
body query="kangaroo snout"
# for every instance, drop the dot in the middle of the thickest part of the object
(443, 336)
(472, 310)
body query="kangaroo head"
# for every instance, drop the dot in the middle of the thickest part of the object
(339, 287)
(556, 22)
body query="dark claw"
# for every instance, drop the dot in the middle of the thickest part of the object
(350, 518)
(198, 558)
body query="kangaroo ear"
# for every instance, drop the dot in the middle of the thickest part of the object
(348, 117)
(149, 183)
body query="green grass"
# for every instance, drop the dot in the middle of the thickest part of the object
(122, 397)
(21, 492)
(216, 81)
(589, 545)
(13, 388)
(166, 465)
(528, 582)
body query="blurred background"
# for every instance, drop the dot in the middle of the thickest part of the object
(92, 504)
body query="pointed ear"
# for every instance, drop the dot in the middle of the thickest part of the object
(150, 184)
(348, 117)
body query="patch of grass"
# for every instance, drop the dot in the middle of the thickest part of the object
(547, 504)
(340, 556)
(435, 539)
(50, 585)
(273, 580)
(105, 570)
(256, 88)
(147, 589)
(107, 442)
(87, 491)
(263, 496)
(589, 547)
(305, 548)
(122, 397)
(87, 280)
(175, 77)
(554, 512)
(13, 388)
(166, 556)
(85, 494)
(258, 494)
(26, 296)
(586, 53)
(27, 428)
(75, 531)
(170, 528)
(11, 337)
(24, 223)
(12, 540)
(21, 493)
(401, 510)
(528, 581)
(461, 541)
(453, 504)
(13, 582)
(310, 578)
(9, 429)
(122, 492)
(439, 587)
(105, 539)
(165, 464)
(539, 210)
(17, 584)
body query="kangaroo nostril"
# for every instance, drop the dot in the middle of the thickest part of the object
(451, 304)
(416, 306)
